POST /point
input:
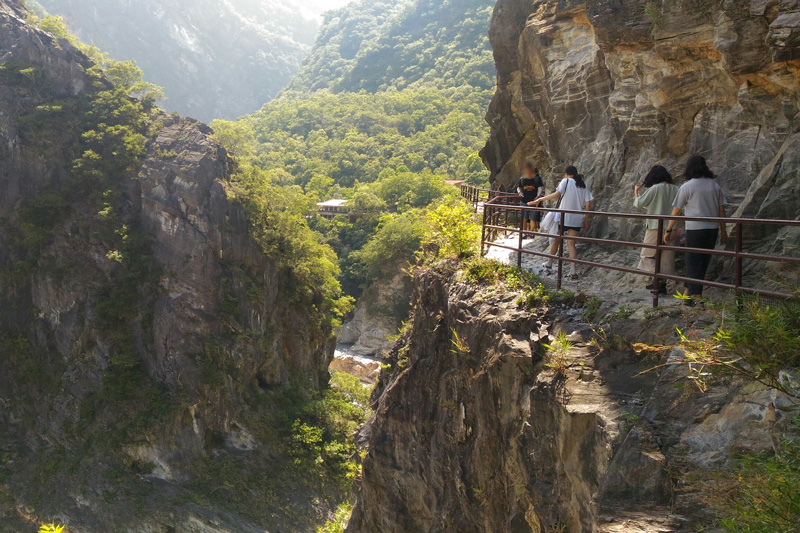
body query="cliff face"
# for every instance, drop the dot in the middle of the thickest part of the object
(615, 87)
(473, 433)
(145, 336)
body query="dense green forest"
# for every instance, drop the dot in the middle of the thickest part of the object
(388, 107)
(377, 45)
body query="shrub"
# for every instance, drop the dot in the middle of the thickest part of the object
(396, 241)
(339, 521)
(453, 229)
(760, 495)
(755, 342)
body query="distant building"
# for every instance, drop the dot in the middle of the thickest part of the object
(333, 208)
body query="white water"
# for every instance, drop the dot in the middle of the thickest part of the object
(364, 368)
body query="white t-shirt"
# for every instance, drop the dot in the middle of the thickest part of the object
(700, 197)
(573, 198)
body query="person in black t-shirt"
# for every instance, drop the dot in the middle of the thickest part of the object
(531, 187)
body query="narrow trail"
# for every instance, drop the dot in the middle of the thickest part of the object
(618, 290)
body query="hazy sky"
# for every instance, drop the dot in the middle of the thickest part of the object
(320, 6)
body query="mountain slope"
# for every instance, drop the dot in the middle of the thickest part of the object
(214, 59)
(374, 45)
(165, 332)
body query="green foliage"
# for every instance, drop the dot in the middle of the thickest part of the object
(397, 239)
(374, 46)
(352, 137)
(323, 427)
(453, 231)
(238, 138)
(277, 223)
(406, 188)
(760, 495)
(768, 338)
(591, 307)
(482, 271)
(557, 357)
(756, 342)
(489, 272)
(339, 521)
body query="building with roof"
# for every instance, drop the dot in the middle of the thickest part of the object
(333, 208)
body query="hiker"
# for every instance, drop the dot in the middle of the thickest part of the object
(658, 199)
(573, 195)
(531, 187)
(700, 197)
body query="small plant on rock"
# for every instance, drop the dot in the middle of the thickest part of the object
(590, 309)
(557, 358)
(460, 346)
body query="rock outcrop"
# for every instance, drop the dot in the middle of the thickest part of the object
(615, 87)
(152, 368)
(473, 433)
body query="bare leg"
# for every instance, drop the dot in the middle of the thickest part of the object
(572, 245)
(573, 250)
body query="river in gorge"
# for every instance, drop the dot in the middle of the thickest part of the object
(365, 368)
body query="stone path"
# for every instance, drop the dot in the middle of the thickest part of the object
(618, 290)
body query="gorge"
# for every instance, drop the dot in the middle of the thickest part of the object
(169, 309)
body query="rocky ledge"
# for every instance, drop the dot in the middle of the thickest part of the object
(472, 432)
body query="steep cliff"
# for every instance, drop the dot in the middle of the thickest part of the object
(147, 338)
(477, 429)
(615, 87)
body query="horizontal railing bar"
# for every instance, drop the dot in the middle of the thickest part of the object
(497, 210)
(632, 244)
(641, 216)
(637, 272)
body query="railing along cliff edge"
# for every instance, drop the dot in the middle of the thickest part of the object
(503, 213)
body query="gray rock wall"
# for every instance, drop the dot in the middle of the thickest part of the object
(212, 338)
(615, 87)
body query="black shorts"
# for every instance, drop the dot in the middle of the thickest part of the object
(530, 214)
(573, 228)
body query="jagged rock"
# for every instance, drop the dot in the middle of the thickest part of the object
(212, 333)
(377, 316)
(473, 433)
(366, 369)
(615, 87)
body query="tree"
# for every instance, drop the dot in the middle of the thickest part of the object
(238, 138)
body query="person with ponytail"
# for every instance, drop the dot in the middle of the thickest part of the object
(573, 195)
(657, 200)
(701, 196)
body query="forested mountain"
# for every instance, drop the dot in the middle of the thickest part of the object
(214, 59)
(388, 106)
(375, 45)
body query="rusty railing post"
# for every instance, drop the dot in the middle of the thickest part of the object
(560, 250)
(657, 272)
(483, 230)
(738, 259)
(521, 233)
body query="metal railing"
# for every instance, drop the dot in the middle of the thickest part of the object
(478, 196)
(503, 215)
